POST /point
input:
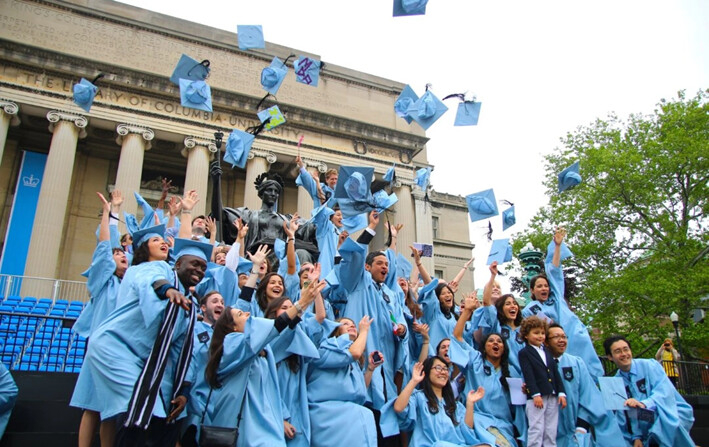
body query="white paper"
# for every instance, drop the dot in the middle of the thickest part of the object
(516, 395)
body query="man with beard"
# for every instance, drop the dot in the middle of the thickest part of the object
(584, 403)
(139, 356)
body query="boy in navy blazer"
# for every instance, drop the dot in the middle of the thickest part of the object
(545, 390)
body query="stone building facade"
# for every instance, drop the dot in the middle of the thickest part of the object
(137, 131)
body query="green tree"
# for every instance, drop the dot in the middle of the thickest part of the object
(637, 223)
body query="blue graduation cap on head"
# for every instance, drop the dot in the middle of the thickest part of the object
(307, 70)
(142, 236)
(190, 247)
(501, 251)
(427, 110)
(508, 218)
(569, 177)
(409, 7)
(272, 76)
(188, 68)
(405, 100)
(250, 37)
(85, 92)
(422, 178)
(481, 205)
(195, 95)
(390, 175)
(238, 146)
(274, 116)
(353, 182)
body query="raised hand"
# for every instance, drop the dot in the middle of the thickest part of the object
(106, 206)
(493, 268)
(453, 285)
(421, 329)
(314, 274)
(417, 374)
(259, 257)
(468, 262)
(559, 235)
(364, 323)
(189, 200)
(299, 162)
(342, 238)
(211, 225)
(116, 199)
(241, 229)
(174, 206)
(416, 254)
(308, 294)
(394, 229)
(373, 219)
(474, 396)
(291, 227)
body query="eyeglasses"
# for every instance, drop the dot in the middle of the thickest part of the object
(560, 337)
(440, 369)
(621, 350)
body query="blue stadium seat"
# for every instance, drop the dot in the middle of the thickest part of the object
(56, 312)
(63, 303)
(40, 311)
(37, 349)
(30, 300)
(57, 351)
(24, 308)
(45, 300)
(73, 362)
(77, 352)
(28, 367)
(73, 314)
(31, 358)
(8, 328)
(13, 299)
(43, 305)
(61, 344)
(7, 308)
(78, 304)
(55, 359)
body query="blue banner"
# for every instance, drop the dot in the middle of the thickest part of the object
(24, 206)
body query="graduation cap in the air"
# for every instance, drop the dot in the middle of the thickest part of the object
(250, 37)
(423, 176)
(565, 251)
(569, 177)
(272, 76)
(195, 95)
(353, 182)
(468, 110)
(355, 223)
(481, 205)
(390, 175)
(188, 68)
(307, 70)
(501, 251)
(238, 146)
(384, 201)
(405, 100)
(403, 266)
(427, 109)
(85, 92)
(409, 7)
(191, 247)
(142, 236)
(508, 218)
(271, 117)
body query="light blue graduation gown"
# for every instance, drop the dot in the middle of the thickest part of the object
(243, 368)
(103, 287)
(327, 236)
(200, 388)
(220, 278)
(494, 409)
(365, 297)
(336, 397)
(584, 401)
(488, 322)
(121, 345)
(440, 326)
(555, 307)
(8, 396)
(437, 429)
(647, 382)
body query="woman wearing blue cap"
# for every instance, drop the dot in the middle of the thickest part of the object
(547, 293)
(242, 372)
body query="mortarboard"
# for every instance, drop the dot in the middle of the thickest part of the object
(244, 266)
(384, 201)
(353, 183)
(307, 70)
(481, 205)
(276, 117)
(467, 114)
(501, 251)
(141, 236)
(508, 218)
(426, 110)
(565, 251)
(84, 93)
(148, 211)
(405, 100)
(272, 76)
(569, 177)
(189, 247)
(250, 37)
(188, 68)
(422, 178)
(195, 95)
(355, 223)
(390, 175)
(403, 266)
(238, 146)
(409, 7)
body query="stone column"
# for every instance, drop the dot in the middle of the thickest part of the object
(134, 141)
(8, 116)
(198, 152)
(48, 229)
(259, 162)
(305, 202)
(405, 215)
(424, 227)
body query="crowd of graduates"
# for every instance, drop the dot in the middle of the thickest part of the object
(361, 348)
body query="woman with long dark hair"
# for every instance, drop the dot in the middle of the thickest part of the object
(242, 372)
(433, 413)
(489, 368)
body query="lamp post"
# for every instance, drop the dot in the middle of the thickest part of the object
(674, 318)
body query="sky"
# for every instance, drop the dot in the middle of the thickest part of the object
(540, 69)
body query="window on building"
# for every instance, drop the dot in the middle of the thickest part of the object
(435, 226)
(438, 274)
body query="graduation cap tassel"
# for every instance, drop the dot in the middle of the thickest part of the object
(389, 237)
(288, 58)
(204, 63)
(99, 76)
(258, 106)
(489, 230)
(255, 130)
(507, 202)
(460, 96)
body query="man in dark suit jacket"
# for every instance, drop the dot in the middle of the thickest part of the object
(545, 389)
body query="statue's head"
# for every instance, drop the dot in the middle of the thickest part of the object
(269, 186)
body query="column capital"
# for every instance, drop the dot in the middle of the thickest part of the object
(125, 129)
(418, 193)
(10, 108)
(311, 162)
(192, 142)
(268, 155)
(80, 121)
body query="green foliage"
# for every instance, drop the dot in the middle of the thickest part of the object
(637, 223)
